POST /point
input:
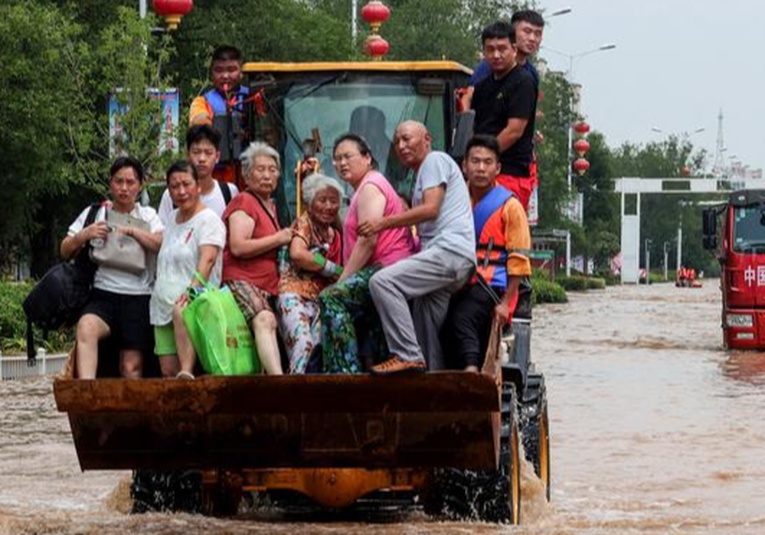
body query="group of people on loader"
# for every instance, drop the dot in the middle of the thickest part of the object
(384, 292)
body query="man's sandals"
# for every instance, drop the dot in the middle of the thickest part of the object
(396, 364)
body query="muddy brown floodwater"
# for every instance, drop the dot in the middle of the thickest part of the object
(654, 429)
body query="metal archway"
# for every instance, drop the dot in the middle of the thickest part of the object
(631, 188)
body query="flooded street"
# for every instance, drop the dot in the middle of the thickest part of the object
(654, 429)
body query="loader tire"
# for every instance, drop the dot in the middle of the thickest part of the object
(535, 430)
(485, 495)
(166, 491)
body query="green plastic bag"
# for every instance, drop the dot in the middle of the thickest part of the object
(220, 334)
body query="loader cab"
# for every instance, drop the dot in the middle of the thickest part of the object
(301, 108)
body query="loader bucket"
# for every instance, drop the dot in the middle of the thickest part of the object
(425, 420)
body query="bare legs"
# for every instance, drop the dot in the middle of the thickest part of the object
(90, 330)
(264, 328)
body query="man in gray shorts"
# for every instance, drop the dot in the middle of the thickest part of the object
(443, 215)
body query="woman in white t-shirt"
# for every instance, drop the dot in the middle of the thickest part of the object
(193, 240)
(119, 302)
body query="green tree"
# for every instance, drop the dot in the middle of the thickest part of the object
(552, 152)
(601, 205)
(662, 214)
(37, 119)
(55, 76)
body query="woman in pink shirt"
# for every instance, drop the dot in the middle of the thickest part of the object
(349, 300)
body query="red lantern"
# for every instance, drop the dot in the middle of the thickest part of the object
(172, 11)
(581, 165)
(376, 47)
(685, 170)
(581, 128)
(581, 146)
(375, 13)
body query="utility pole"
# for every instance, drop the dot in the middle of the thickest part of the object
(680, 244)
(648, 243)
(354, 22)
(666, 258)
(718, 169)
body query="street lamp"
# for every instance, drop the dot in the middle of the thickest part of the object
(572, 57)
(570, 79)
(570, 129)
(684, 135)
(558, 12)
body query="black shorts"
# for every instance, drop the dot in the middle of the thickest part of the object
(127, 317)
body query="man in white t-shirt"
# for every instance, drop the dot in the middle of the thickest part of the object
(202, 142)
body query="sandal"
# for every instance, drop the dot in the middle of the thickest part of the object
(396, 364)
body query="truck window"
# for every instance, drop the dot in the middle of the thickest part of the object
(749, 229)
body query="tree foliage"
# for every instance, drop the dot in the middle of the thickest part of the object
(56, 72)
(37, 120)
(599, 238)
(60, 59)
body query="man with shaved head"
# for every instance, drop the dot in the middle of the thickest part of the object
(441, 210)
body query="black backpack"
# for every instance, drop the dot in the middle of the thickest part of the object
(57, 299)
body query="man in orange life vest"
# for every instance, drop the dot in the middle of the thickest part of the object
(502, 244)
(225, 100)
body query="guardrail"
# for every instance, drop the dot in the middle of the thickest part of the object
(15, 367)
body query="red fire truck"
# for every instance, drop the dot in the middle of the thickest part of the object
(741, 252)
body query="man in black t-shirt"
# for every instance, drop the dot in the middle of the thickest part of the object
(505, 105)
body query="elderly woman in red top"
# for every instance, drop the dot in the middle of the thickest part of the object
(250, 256)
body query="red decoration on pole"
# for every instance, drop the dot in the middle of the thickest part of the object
(685, 170)
(172, 11)
(376, 46)
(581, 146)
(375, 13)
(581, 128)
(581, 165)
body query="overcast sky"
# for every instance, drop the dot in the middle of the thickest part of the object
(675, 65)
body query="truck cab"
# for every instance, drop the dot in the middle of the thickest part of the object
(741, 253)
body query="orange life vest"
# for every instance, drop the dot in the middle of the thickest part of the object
(491, 253)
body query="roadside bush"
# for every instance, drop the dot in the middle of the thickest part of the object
(608, 277)
(545, 291)
(574, 283)
(655, 278)
(596, 283)
(13, 322)
(12, 319)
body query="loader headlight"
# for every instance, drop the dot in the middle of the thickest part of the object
(739, 320)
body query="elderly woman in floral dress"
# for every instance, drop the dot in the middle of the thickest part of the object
(315, 254)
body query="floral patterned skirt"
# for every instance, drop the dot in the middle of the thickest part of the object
(350, 326)
(300, 328)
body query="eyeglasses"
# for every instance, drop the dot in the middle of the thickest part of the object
(344, 158)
